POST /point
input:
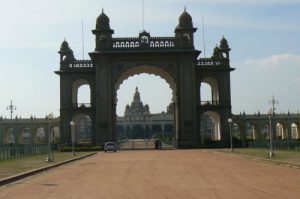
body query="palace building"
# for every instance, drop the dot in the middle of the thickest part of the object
(138, 122)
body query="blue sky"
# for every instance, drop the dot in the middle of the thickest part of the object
(263, 35)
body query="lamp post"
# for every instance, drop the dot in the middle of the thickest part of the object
(270, 113)
(230, 123)
(163, 124)
(50, 117)
(72, 124)
(11, 137)
(12, 108)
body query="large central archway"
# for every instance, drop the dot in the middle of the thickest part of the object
(149, 70)
(142, 125)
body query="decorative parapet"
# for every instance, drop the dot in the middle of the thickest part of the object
(210, 62)
(28, 121)
(81, 64)
(266, 116)
(144, 42)
(78, 65)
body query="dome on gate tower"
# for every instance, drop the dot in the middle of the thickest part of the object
(64, 45)
(102, 22)
(224, 43)
(185, 21)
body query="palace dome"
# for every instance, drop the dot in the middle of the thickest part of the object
(64, 45)
(224, 43)
(185, 21)
(102, 22)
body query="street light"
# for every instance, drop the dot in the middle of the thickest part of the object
(12, 108)
(270, 113)
(49, 159)
(72, 124)
(163, 124)
(230, 123)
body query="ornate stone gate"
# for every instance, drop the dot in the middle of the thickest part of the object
(174, 59)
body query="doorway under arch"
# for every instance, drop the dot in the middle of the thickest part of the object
(210, 126)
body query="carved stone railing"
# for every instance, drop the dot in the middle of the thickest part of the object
(208, 62)
(266, 116)
(81, 64)
(210, 103)
(143, 42)
(82, 105)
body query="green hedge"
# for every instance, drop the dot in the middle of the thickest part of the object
(80, 148)
(277, 144)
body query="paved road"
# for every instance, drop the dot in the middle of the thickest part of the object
(161, 174)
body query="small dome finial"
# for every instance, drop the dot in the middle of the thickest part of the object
(224, 43)
(185, 20)
(102, 21)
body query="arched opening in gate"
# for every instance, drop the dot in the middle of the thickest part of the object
(209, 92)
(294, 131)
(210, 126)
(83, 129)
(81, 93)
(145, 98)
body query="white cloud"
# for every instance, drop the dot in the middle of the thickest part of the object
(275, 61)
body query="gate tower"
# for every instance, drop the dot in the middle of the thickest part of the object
(173, 58)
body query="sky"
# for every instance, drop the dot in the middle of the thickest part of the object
(263, 36)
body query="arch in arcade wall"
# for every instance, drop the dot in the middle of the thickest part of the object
(40, 136)
(9, 136)
(24, 136)
(295, 130)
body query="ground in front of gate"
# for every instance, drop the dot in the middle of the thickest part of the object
(161, 174)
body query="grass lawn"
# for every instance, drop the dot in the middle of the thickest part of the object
(13, 167)
(280, 155)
